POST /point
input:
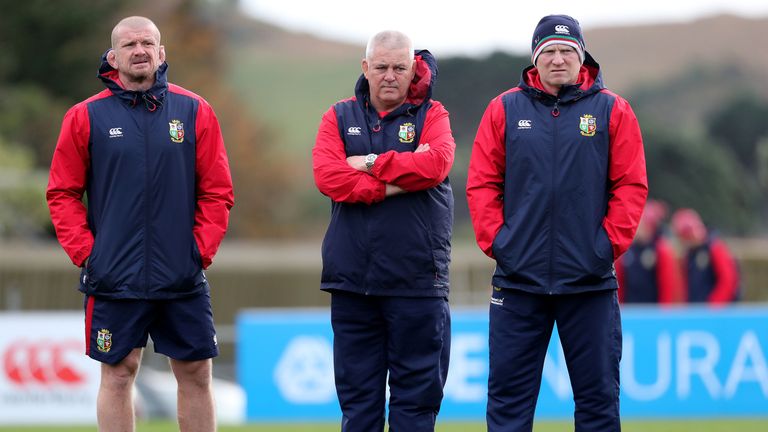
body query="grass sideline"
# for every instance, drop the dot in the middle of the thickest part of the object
(716, 425)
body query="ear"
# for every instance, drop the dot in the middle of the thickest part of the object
(162, 53)
(365, 67)
(112, 59)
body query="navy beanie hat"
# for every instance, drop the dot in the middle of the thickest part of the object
(557, 29)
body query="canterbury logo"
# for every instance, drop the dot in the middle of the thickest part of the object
(562, 29)
(354, 130)
(524, 124)
(115, 132)
(43, 364)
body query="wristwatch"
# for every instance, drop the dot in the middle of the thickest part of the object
(369, 160)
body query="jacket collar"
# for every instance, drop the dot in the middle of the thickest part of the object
(419, 91)
(152, 98)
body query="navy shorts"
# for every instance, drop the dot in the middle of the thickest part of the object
(181, 329)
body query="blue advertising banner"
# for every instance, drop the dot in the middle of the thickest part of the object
(677, 362)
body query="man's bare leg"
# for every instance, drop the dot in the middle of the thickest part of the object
(196, 411)
(114, 405)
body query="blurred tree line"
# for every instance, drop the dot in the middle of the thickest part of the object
(51, 54)
(705, 133)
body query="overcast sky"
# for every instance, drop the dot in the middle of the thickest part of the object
(476, 27)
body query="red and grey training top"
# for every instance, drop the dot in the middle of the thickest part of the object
(557, 184)
(155, 173)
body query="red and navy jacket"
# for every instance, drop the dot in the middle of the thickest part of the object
(556, 184)
(649, 273)
(401, 245)
(154, 169)
(711, 273)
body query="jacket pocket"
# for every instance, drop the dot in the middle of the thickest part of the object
(603, 247)
(89, 276)
(197, 257)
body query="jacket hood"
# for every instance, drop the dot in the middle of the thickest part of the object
(590, 81)
(420, 89)
(152, 98)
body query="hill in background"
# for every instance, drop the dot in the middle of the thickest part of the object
(650, 55)
(290, 79)
(675, 76)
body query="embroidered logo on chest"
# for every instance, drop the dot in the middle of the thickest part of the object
(116, 132)
(354, 130)
(176, 130)
(588, 125)
(407, 132)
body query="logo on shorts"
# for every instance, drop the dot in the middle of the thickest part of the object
(104, 340)
(407, 132)
(176, 130)
(588, 125)
(497, 301)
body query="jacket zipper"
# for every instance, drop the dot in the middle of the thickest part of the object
(147, 206)
(552, 226)
(375, 130)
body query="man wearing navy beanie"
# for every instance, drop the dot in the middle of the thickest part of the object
(556, 186)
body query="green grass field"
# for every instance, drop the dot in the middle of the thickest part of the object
(627, 426)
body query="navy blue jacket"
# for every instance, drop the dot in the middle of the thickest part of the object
(712, 273)
(398, 245)
(639, 265)
(158, 189)
(557, 184)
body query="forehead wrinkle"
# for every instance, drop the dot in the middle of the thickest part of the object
(135, 24)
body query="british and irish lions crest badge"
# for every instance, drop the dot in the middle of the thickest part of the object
(104, 340)
(176, 131)
(407, 132)
(588, 125)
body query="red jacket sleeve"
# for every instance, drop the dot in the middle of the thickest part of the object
(333, 176)
(668, 277)
(418, 171)
(628, 184)
(726, 274)
(485, 178)
(215, 195)
(66, 185)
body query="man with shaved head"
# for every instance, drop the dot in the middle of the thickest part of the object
(383, 158)
(150, 158)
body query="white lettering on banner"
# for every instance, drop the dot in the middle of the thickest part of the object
(748, 351)
(629, 384)
(556, 374)
(304, 372)
(467, 380)
(704, 367)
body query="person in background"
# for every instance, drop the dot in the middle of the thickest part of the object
(710, 271)
(383, 158)
(556, 186)
(649, 271)
(150, 158)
